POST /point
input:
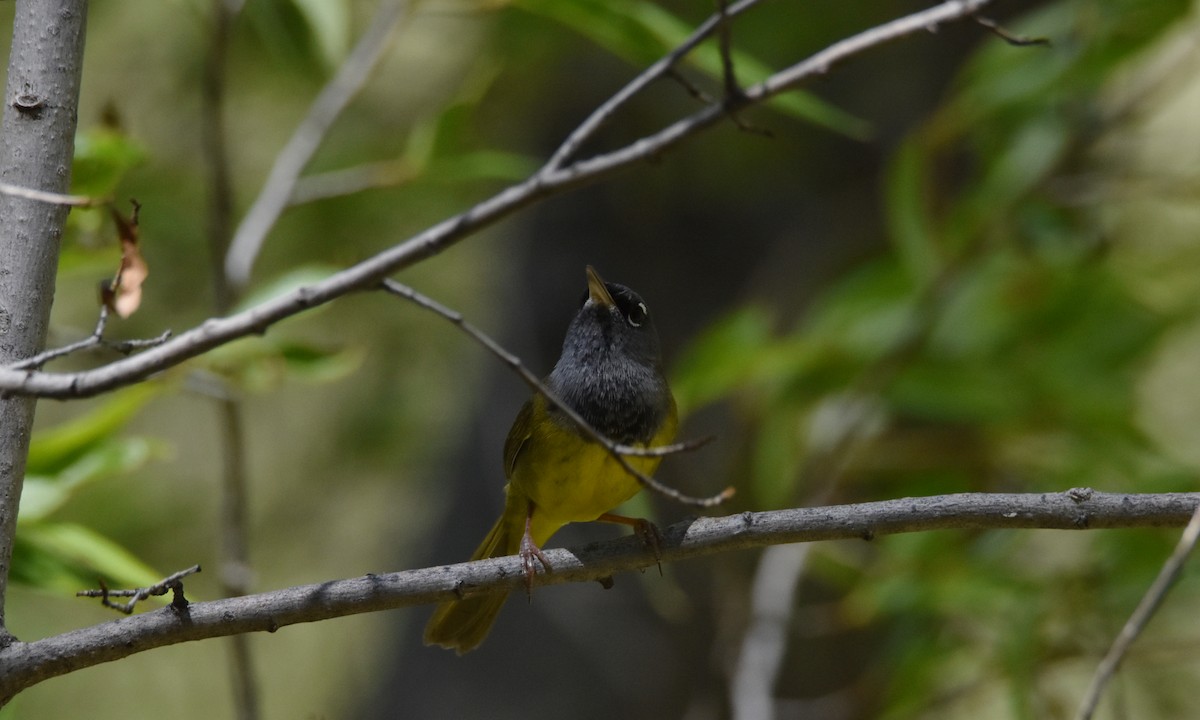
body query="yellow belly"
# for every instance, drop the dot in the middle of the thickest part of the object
(570, 479)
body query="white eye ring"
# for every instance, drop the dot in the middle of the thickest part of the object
(645, 312)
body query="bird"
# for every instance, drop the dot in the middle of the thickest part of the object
(610, 372)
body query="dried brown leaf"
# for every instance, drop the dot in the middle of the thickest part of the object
(124, 294)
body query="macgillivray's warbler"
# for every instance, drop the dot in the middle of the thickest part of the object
(610, 373)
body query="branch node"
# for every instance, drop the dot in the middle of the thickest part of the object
(1080, 494)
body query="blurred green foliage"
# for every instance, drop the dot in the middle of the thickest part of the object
(1001, 349)
(1005, 335)
(64, 557)
(642, 32)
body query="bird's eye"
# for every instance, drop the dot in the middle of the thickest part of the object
(637, 315)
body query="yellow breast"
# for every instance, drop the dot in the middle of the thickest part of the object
(570, 479)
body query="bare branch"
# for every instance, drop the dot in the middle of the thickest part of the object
(617, 451)
(772, 599)
(90, 341)
(96, 339)
(80, 201)
(26, 663)
(172, 583)
(664, 67)
(291, 161)
(1141, 616)
(546, 182)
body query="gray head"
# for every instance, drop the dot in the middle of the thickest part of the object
(610, 370)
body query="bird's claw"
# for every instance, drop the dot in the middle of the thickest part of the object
(529, 553)
(651, 537)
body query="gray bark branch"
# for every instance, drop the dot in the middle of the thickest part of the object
(551, 180)
(25, 664)
(37, 142)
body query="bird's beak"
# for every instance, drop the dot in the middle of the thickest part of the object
(597, 292)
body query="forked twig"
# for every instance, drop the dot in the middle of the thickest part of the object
(96, 339)
(172, 583)
(618, 451)
(554, 178)
(276, 193)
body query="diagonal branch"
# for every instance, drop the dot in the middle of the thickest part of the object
(618, 451)
(665, 67)
(276, 194)
(1141, 616)
(370, 272)
(23, 664)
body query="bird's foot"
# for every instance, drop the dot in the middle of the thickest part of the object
(529, 553)
(647, 531)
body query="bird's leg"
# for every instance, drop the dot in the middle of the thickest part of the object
(644, 529)
(529, 552)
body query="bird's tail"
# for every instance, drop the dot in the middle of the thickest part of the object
(462, 624)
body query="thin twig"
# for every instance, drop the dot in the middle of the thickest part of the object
(601, 115)
(79, 201)
(96, 339)
(92, 340)
(308, 136)
(26, 663)
(546, 182)
(126, 347)
(618, 452)
(1015, 40)
(173, 583)
(734, 97)
(690, 87)
(725, 45)
(1141, 616)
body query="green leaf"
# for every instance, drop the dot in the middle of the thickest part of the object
(66, 558)
(722, 358)
(642, 32)
(103, 155)
(43, 495)
(911, 228)
(311, 363)
(867, 313)
(614, 25)
(289, 281)
(263, 365)
(482, 165)
(329, 25)
(306, 34)
(53, 449)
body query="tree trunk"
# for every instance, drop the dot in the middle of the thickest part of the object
(37, 142)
